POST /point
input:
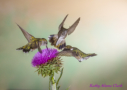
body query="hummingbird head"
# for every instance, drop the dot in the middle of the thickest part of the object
(45, 43)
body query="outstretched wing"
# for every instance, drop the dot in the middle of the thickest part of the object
(61, 25)
(65, 53)
(26, 34)
(72, 28)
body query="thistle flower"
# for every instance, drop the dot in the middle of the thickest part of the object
(47, 62)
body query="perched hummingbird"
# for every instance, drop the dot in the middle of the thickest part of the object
(75, 52)
(58, 40)
(33, 43)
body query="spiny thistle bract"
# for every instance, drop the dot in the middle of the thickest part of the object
(47, 62)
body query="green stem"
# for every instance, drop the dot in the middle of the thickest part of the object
(52, 81)
(59, 77)
(53, 84)
(49, 83)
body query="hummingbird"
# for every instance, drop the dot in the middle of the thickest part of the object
(33, 43)
(75, 52)
(58, 40)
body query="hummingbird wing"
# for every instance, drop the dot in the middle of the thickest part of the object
(60, 40)
(72, 27)
(28, 36)
(65, 53)
(61, 25)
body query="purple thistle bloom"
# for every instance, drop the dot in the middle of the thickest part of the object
(42, 58)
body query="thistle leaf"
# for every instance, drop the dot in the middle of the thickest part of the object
(58, 87)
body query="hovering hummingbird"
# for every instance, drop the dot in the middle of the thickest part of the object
(58, 40)
(33, 43)
(75, 52)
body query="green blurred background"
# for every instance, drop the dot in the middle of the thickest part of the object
(102, 30)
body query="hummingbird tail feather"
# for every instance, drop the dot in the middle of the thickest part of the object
(53, 40)
(24, 49)
(92, 54)
(85, 58)
(19, 48)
